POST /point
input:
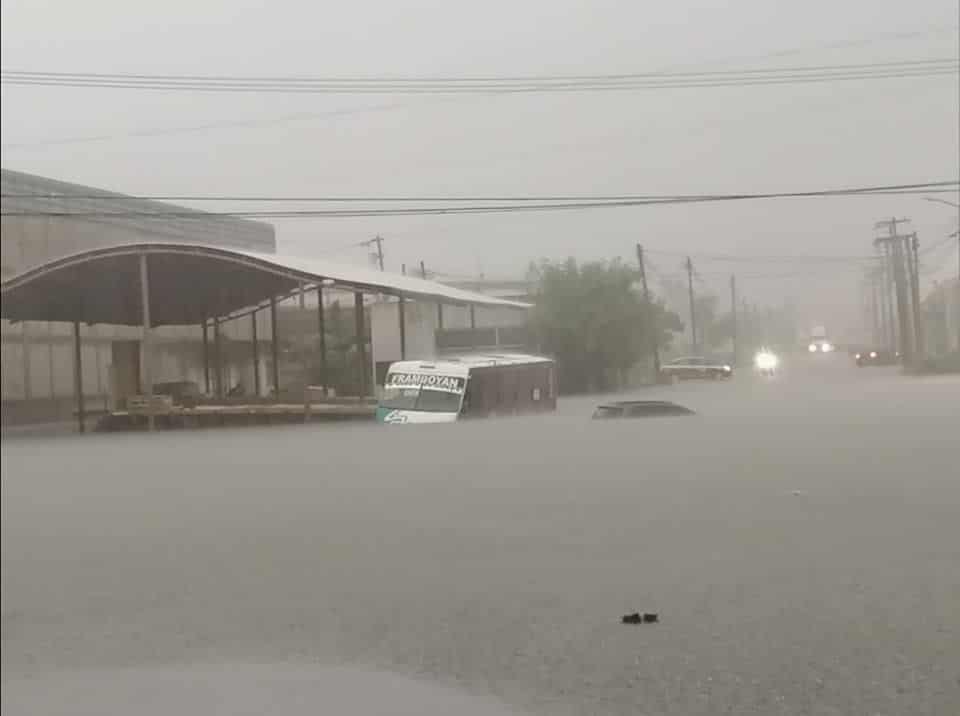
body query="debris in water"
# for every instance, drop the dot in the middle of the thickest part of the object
(638, 618)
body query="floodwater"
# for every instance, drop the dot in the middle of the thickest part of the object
(799, 539)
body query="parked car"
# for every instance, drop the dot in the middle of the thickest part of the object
(639, 409)
(696, 367)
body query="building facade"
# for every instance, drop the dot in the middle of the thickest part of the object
(45, 219)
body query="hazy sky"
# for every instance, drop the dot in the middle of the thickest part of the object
(788, 137)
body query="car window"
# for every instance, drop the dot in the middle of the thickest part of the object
(608, 411)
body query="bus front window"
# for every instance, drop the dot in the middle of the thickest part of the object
(438, 401)
(400, 398)
(417, 398)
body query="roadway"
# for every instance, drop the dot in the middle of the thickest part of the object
(798, 538)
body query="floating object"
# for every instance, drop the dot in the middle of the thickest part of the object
(638, 618)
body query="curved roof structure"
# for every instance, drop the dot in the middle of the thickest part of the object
(190, 283)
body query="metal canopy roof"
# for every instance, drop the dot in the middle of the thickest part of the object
(191, 282)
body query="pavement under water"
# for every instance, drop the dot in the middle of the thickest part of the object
(797, 538)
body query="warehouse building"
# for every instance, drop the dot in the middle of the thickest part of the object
(44, 219)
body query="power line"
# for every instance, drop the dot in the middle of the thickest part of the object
(358, 79)
(489, 84)
(242, 124)
(513, 206)
(210, 126)
(868, 190)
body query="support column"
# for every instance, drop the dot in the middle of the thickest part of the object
(256, 354)
(304, 352)
(473, 325)
(206, 359)
(403, 327)
(217, 359)
(361, 341)
(78, 377)
(274, 347)
(322, 329)
(436, 333)
(146, 342)
(27, 379)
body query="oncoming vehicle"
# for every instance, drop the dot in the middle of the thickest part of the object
(766, 362)
(467, 386)
(696, 367)
(819, 342)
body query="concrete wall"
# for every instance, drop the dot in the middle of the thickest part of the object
(422, 324)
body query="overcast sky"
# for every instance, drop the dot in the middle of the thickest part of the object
(743, 139)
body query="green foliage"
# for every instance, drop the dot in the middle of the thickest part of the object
(593, 319)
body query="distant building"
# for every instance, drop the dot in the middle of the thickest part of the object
(36, 357)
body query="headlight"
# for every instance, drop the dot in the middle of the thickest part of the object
(858, 356)
(873, 354)
(765, 361)
(826, 347)
(812, 348)
(727, 368)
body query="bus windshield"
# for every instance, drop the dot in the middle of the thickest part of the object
(425, 399)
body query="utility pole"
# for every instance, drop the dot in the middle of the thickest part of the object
(378, 240)
(913, 257)
(911, 306)
(651, 316)
(693, 312)
(895, 244)
(733, 319)
(747, 322)
(879, 274)
(888, 298)
(875, 308)
(423, 270)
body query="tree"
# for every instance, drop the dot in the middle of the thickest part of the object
(592, 318)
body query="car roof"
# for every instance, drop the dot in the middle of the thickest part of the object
(623, 403)
(652, 405)
(461, 364)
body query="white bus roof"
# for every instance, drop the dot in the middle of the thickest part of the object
(461, 365)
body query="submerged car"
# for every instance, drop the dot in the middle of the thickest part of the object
(691, 367)
(875, 356)
(639, 409)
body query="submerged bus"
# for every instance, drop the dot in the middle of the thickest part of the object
(445, 390)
